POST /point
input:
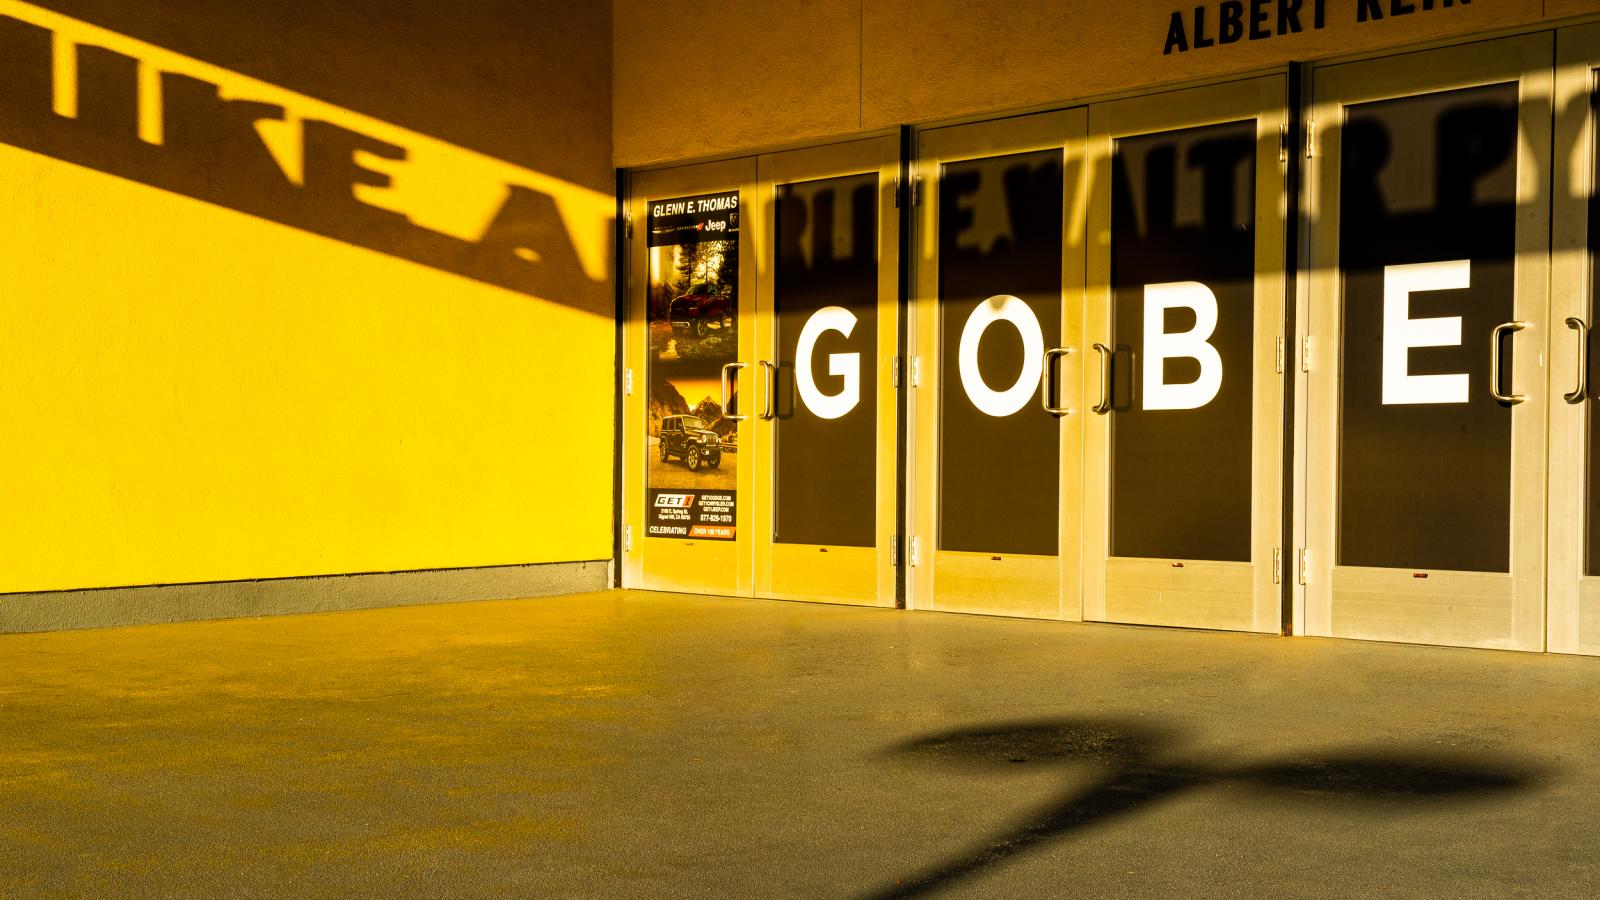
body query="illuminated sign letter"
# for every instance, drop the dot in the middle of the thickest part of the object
(1401, 332)
(1160, 346)
(1013, 310)
(845, 365)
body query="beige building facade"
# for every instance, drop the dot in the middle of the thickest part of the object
(1256, 316)
(1264, 315)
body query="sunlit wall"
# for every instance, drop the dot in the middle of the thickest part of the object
(252, 331)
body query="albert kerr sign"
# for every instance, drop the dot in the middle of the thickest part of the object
(1232, 21)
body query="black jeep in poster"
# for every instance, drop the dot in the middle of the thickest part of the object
(687, 438)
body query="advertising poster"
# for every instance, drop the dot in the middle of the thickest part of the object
(693, 321)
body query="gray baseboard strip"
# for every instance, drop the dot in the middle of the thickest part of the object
(110, 607)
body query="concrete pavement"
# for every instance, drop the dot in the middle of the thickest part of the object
(633, 744)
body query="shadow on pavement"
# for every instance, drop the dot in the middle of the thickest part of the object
(1141, 769)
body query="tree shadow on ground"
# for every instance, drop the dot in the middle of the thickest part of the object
(1142, 765)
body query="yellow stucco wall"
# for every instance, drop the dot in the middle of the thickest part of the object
(779, 72)
(198, 391)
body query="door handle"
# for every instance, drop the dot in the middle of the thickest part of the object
(1104, 406)
(1578, 393)
(1047, 382)
(735, 366)
(772, 388)
(1494, 362)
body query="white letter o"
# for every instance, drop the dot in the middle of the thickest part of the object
(1013, 310)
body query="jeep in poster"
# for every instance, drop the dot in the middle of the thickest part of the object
(687, 438)
(692, 316)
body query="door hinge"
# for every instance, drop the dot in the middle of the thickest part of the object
(627, 538)
(1311, 129)
(894, 372)
(1302, 576)
(627, 382)
(627, 225)
(894, 550)
(1305, 353)
(1277, 565)
(916, 190)
(913, 554)
(1277, 364)
(1283, 142)
(916, 371)
(897, 192)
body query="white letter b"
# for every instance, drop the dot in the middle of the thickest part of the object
(1160, 346)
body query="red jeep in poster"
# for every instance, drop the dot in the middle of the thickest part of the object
(706, 307)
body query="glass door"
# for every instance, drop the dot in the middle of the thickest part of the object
(827, 330)
(1430, 240)
(1183, 478)
(996, 367)
(1574, 524)
(688, 349)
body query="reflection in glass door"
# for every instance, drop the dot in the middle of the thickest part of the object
(827, 331)
(1430, 242)
(997, 360)
(1183, 477)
